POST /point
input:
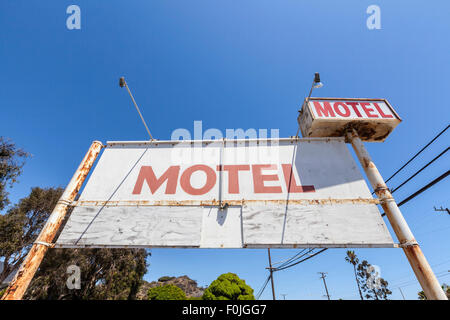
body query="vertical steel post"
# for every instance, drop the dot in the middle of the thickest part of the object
(417, 260)
(29, 266)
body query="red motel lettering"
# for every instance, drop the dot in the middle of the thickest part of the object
(259, 178)
(325, 109)
(185, 180)
(146, 174)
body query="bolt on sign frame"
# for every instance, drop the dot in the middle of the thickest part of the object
(229, 194)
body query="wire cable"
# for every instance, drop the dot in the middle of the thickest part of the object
(402, 277)
(260, 292)
(439, 274)
(284, 261)
(293, 264)
(426, 146)
(415, 194)
(296, 257)
(285, 264)
(420, 170)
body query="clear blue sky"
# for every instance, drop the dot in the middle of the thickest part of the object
(232, 64)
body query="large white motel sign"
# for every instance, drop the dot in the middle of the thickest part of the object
(226, 194)
(280, 193)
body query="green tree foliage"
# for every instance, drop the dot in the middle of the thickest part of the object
(11, 163)
(353, 260)
(228, 286)
(106, 274)
(166, 292)
(20, 226)
(373, 286)
(422, 295)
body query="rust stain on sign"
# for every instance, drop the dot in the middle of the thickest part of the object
(171, 203)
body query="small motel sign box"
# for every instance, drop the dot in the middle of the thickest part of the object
(374, 119)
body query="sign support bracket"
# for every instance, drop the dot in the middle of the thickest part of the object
(29, 266)
(408, 243)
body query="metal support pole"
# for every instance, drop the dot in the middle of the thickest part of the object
(29, 266)
(124, 83)
(417, 260)
(271, 274)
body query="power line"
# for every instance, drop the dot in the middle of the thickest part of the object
(440, 263)
(420, 170)
(260, 292)
(270, 277)
(440, 274)
(410, 281)
(295, 257)
(426, 146)
(293, 264)
(432, 183)
(288, 260)
(401, 279)
(415, 194)
(442, 209)
(432, 231)
(285, 265)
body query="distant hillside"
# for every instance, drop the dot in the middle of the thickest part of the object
(185, 283)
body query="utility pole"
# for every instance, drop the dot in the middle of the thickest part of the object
(284, 295)
(271, 274)
(401, 293)
(442, 209)
(324, 283)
